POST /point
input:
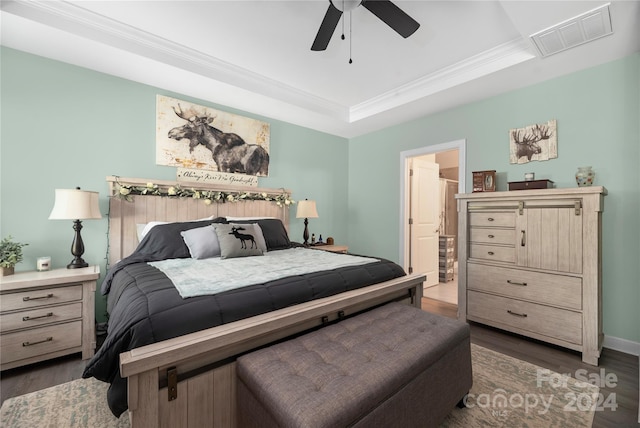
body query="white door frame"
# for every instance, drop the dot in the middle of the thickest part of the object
(461, 145)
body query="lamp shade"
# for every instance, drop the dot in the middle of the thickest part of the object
(306, 209)
(75, 204)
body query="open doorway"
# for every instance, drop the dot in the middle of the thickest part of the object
(429, 215)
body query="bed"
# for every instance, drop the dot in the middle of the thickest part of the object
(176, 355)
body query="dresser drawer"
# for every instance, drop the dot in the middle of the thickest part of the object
(40, 316)
(545, 320)
(40, 341)
(483, 235)
(554, 290)
(492, 219)
(492, 252)
(33, 298)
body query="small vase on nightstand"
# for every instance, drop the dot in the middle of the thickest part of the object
(585, 176)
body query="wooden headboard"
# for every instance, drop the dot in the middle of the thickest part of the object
(125, 214)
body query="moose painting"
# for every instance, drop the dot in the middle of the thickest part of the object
(535, 142)
(197, 137)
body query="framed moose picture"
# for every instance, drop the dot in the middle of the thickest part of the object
(533, 143)
(197, 137)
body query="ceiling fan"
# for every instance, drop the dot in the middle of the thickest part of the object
(388, 12)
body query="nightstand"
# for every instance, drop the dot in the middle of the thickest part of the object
(46, 315)
(332, 248)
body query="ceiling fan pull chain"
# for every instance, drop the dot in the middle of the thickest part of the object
(342, 37)
(350, 37)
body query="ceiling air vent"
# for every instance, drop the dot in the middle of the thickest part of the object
(573, 32)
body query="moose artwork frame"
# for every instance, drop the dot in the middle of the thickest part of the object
(199, 137)
(538, 142)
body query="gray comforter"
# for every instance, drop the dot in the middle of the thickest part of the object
(145, 307)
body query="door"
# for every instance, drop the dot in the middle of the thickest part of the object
(424, 219)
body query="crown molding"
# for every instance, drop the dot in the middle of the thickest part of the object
(482, 64)
(77, 20)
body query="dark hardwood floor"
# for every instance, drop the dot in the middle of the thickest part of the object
(624, 366)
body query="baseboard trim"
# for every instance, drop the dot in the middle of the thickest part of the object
(622, 345)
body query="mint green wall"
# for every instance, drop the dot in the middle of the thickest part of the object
(597, 112)
(65, 126)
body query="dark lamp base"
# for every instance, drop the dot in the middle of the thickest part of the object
(76, 263)
(77, 248)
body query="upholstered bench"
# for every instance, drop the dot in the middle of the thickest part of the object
(393, 366)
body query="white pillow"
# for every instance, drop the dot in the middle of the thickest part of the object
(143, 228)
(202, 242)
(139, 230)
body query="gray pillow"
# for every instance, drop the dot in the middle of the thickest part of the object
(240, 240)
(202, 242)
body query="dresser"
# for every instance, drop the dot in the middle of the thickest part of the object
(529, 262)
(47, 314)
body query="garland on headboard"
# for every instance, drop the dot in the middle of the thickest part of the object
(126, 191)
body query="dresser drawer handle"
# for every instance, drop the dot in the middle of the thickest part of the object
(524, 284)
(48, 339)
(50, 314)
(491, 236)
(490, 219)
(517, 314)
(48, 296)
(491, 253)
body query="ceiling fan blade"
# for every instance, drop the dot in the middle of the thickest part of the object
(328, 26)
(393, 16)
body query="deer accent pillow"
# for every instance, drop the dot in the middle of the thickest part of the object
(240, 240)
(274, 232)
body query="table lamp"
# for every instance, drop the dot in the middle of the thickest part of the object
(306, 210)
(76, 205)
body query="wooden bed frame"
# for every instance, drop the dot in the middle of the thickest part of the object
(189, 381)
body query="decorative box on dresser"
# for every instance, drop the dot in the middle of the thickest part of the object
(529, 261)
(47, 314)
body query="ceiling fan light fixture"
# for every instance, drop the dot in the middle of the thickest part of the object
(345, 5)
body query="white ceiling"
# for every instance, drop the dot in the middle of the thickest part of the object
(255, 55)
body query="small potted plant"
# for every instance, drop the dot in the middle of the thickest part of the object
(10, 255)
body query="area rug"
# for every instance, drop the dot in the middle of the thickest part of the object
(506, 392)
(75, 404)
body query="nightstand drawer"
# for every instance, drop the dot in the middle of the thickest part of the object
(493, 219)
(40, 316)
(40, 341)
(33, 298)
(492, 252)
(556, 290)
(487, 235)
(553, 322)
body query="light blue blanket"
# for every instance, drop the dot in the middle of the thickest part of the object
(211, 276)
